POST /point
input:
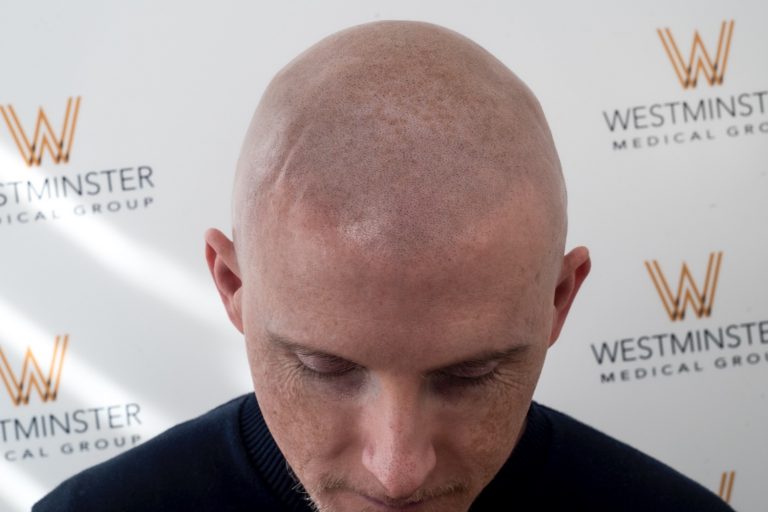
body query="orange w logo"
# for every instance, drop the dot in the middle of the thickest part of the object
(699, 60)
(32, 376)
(726, 485)
(44, 138)
(688, 293)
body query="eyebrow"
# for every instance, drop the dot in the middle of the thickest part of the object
(288, 344)
(479, 359)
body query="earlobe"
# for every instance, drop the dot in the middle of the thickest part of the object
(222, 262)
(576, 266)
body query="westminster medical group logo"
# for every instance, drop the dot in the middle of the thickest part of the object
(40, 429)
(689, 295)
(44, 138)
(32, 377)
(700, 62)
(43, 187)
(688, 341)
(709, 110)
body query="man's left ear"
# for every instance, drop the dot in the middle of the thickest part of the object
(576, 265)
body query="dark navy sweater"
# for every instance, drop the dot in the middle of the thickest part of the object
(226, 460)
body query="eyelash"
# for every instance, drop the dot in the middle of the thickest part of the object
(452, 380)
(467, 382)
(306, 370)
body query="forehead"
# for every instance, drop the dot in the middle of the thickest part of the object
(301, 239)
(309, 279)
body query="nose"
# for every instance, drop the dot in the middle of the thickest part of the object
(398, 449)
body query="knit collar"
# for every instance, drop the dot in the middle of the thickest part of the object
(523, 467)
(268, 459)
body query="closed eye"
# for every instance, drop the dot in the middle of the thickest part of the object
(445, 380)
(324, 367)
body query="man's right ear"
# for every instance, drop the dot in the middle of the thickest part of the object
(222, 262)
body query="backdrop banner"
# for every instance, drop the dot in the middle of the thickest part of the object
(120, 126)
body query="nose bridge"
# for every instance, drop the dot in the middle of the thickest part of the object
(401, 411)
(399, 449)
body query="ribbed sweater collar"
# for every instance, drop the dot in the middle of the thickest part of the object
(268, 459)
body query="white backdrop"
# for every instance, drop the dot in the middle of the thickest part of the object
(166, 91)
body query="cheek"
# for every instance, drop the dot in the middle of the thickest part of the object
(310, 428)
(496, 431)
(485, 444)
(485, 432)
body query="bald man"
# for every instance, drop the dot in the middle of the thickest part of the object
(397, 270)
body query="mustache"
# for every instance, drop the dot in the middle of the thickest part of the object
(335, 483)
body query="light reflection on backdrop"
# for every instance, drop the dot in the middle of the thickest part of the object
(130, 261)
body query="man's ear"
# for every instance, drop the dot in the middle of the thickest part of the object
(222, 262)
(576, 265)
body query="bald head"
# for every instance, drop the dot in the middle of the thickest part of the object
(400, 136)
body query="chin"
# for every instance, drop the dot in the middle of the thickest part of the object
(349, 501)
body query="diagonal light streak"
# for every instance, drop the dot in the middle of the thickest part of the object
(136, 264)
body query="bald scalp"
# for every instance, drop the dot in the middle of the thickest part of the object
(399, 136)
